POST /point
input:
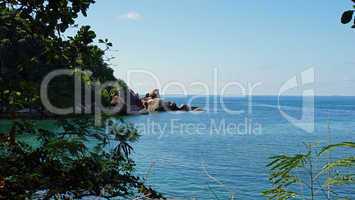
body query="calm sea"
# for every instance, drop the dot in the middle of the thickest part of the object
(223, 152)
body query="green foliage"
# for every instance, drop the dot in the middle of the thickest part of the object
(333, 146)
(32, 44)
(65, 162)
(347, 163)
(283, 175)
(49, 16)
(287, 172)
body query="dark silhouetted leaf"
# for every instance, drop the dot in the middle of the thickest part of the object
(347, 16)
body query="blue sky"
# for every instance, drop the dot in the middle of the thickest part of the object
(247, 41)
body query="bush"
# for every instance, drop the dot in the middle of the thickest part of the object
(74, 160)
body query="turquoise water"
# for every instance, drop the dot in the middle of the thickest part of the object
(191, 155)
(217, 154)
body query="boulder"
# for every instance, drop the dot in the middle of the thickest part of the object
(128, 100)
(185, 107)
(153, 105)
(197, 109)
(154, 94)
(133, 99)
(164, 106)
(174, 107)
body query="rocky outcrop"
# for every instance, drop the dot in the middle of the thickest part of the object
(197, 109)
(168, 106)
(152, 105)
(185, 107)
(154, 94)
(129, 101)
(151, 102)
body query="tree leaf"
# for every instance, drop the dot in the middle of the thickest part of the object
(345, 162)
(347, 16)
(341, 180)
(331, 147)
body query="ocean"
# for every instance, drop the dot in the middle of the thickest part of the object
(222, 153)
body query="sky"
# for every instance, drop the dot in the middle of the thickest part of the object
(219, 47)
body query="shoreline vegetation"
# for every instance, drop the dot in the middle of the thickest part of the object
(130, 103)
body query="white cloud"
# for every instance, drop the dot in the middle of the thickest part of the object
(132, 15)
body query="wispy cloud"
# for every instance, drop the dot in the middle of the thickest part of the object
(132, 15)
